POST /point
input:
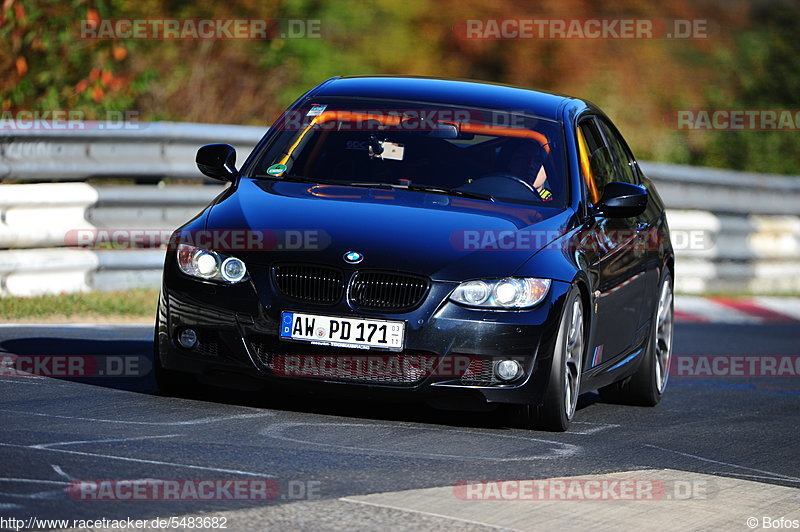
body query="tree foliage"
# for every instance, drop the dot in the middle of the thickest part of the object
(749, 62)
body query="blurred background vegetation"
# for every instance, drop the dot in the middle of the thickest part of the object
(749, 63)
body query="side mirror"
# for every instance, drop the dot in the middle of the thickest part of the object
(622, 200)
(217, 161)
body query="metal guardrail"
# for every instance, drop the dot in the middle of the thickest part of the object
(733, 231)
(147, 151)
(725, 191)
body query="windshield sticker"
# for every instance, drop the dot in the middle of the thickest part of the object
(316, 110)
(393, 151)
(276, 169)
(357, 145)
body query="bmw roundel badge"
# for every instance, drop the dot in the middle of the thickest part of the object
(353, 257)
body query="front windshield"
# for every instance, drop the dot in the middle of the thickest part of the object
(495, 156)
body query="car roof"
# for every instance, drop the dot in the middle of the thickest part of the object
(462, 93)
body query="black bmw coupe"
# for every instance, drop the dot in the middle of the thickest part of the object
(468, 243)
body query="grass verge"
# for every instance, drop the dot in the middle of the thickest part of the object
(125, 306)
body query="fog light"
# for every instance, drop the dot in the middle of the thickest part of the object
(187, 338)
(507, 370)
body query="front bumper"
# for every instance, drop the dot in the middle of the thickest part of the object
(238, 328)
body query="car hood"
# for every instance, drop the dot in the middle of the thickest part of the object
(439, 236)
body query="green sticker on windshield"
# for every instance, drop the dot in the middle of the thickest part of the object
(276, 169)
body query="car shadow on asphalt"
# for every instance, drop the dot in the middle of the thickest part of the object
(114, 363)
(127, 365)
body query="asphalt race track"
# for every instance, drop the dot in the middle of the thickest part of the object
(54, 432)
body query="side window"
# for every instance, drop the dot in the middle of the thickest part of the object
(597, 163)
(625, 161)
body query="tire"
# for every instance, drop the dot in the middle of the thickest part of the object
(563, 387)
(647, 385)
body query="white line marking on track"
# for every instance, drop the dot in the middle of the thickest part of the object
(598, 427)
(431, 514)
(712, 311)
(560, 449)
(775, 476)
(788, 306)
(33, 481)
(201, 421)
(20, 381)
(41, 495)
(80, 442)
(61, 472)
(145, 461)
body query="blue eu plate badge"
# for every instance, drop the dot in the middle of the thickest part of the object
(286, 325)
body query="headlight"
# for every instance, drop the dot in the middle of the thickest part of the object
(211, 265)
(233, 270)
(509, 293)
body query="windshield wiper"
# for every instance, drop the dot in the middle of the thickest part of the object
(382, 186)
(448, 191)
(385, 186)
(423, 188)
(303, 179)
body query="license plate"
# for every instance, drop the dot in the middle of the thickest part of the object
(343, 332)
